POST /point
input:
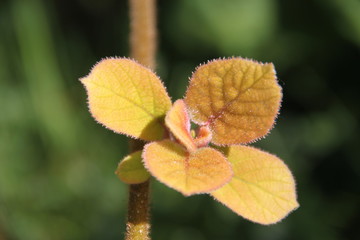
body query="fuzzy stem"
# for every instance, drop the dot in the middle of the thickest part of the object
(142, 49)
(143, 31)
(138, 226)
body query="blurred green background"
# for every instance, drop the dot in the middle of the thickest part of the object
(57, 165)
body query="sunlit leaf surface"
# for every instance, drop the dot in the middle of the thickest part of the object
(127, 98)
(203, 137)
(202, 171)
(262, 189)
(238, 98)
(177, 120)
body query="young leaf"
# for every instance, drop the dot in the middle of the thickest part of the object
(203, 137)
(131, 169)
(127, 98)
(262, 188)
(202, 171)
(238, 98)
(177, 120)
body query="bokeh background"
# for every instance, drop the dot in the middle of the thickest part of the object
(57, 165)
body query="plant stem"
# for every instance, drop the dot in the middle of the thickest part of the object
(142, 49)
(143, 31)
(138, 226)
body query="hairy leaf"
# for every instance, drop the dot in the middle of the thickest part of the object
(238, 98)
(131, 169)
(203, 137)
(127, 98)
(262, 188)
(202, 171)
(177, 120)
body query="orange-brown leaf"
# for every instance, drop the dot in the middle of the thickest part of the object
(262, 188)
(177, 120)
(203, 137)
(238, 98)
(128, 98)
(202, 171)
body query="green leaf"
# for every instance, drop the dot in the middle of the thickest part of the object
(131, 169)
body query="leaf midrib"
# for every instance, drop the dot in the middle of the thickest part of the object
(219, 113)
(128, 99)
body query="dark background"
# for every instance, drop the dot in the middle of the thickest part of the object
(57, 165)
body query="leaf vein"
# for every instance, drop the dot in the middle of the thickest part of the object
(127, 99)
